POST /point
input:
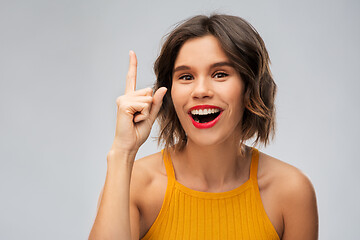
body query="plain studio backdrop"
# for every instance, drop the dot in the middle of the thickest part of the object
(63, 64)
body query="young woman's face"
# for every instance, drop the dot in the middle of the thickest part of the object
(207, 92)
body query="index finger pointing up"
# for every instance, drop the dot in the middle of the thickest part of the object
(131, 75)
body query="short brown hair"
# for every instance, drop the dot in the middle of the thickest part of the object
(246, 50)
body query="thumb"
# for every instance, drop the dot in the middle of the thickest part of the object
(157, 102)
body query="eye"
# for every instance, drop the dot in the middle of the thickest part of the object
(186, 77)
(220, 75)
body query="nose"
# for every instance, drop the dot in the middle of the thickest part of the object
(202, 88)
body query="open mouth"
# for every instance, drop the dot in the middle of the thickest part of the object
(204, 115)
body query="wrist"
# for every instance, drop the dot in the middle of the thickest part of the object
(117, 156)
(121, 147)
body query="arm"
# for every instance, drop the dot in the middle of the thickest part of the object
(300, 209)
(113, 217)
(137, 111)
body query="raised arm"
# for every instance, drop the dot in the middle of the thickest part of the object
(136, 113)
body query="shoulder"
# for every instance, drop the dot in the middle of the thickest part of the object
(292, 194)
(147, 188)
(286, 180)
(146, 170)
(147, 176)
(147, 166)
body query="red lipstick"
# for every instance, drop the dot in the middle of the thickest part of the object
(206, 124)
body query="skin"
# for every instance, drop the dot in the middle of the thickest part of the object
(287, 194)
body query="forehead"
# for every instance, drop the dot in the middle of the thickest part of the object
(201, 51)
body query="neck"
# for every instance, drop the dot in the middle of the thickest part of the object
(214, 167)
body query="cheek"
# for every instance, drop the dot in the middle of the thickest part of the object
(174, 96)
(177, 97)
(235, 97)
(234, 92)
(179, 92)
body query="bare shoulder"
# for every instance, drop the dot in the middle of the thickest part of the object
(290, 196)
(287, 180)
(147, 189)
(145, 171)
(147, 166)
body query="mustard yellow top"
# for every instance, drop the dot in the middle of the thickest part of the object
(189, 214)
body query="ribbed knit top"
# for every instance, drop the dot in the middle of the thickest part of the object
(189, 214)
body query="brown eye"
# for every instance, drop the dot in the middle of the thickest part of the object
(186, 77)
(220, 75)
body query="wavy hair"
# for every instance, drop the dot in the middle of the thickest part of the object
(246, 51)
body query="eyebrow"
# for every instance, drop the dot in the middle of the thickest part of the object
(218, 64)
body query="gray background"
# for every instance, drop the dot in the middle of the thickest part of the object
(63, 63)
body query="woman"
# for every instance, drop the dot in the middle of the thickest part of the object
(214, 91)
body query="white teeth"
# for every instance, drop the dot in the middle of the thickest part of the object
(205, 111)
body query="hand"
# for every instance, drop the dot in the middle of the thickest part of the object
(136, 112)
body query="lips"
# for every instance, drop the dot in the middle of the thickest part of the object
(205, 116)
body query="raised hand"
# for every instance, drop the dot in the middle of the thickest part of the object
(136, 112)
